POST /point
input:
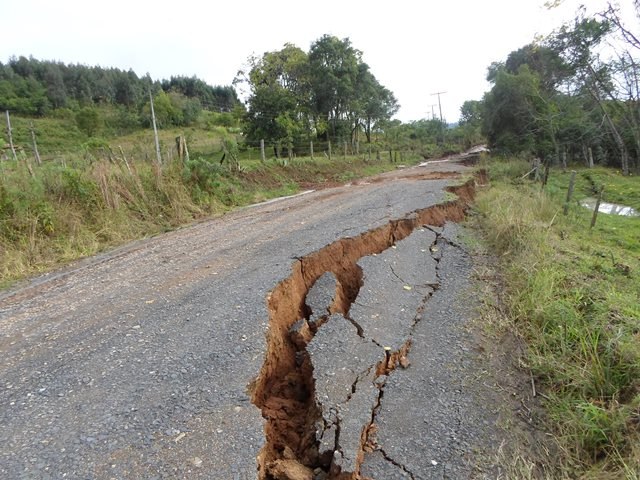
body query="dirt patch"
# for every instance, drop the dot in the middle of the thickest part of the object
(284, 389)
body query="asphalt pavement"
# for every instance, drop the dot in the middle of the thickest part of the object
(143, 362)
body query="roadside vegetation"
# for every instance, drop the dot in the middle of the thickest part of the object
(573, 293)
(80, 171)
(66, 211)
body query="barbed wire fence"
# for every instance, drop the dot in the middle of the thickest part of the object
(214, 144)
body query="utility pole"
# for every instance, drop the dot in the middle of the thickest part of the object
(439, 104)
(433, 113)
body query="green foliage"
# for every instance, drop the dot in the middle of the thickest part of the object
(33, 87)
(53, 134)
(217, 99)
(562, 97)
(511, 112)
(88, 121)
(572, 294)
(326, 93)
(74, 186)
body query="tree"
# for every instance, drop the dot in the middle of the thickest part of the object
(376, 104)
(88, 121)
(471, 113)
(576, 43)
(334, 73)
(544, 61)
(509, 114)
(327, 93)
(165, 112)
(279, 102)
(470, 124)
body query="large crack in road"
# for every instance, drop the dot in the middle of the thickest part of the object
(321, 415)
(135, 364)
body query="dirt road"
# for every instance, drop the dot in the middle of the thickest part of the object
(335, 315)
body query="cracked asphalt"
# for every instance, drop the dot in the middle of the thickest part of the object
(136, 363)
(436, 406)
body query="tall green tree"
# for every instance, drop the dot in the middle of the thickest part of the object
(279, 104)
(334, 66)
(510, 111)
(577, 43)
(374, 105)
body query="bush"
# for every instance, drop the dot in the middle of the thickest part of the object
(88, 121)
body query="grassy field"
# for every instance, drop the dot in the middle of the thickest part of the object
(573, 294)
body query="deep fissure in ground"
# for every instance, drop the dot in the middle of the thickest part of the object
(285, 388)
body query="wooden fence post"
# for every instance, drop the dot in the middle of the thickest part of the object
(311, 149)
(329, 149)
(569, 192)
(13, 150)
(180, 147)
(34, 144)
(595, 211)
(345, 150)
(545, 176)
(262, 155)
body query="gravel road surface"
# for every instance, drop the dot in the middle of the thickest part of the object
(149, 361)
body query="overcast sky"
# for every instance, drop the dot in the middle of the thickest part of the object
(414, 48)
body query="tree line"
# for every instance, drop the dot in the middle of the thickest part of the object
(574, 95)
(326, 93)
(38, 87)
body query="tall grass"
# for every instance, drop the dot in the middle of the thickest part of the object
(86, 204)
(574, 295)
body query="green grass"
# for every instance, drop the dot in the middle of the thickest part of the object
(93, 193)
(54, 136)
(85, 204)
(574, 295)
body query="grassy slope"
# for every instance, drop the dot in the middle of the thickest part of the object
(83, 206)
(574, 295)
(94, 193)
(59, 136)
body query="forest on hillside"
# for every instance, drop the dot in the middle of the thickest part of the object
(36, 87)
(292, 95)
